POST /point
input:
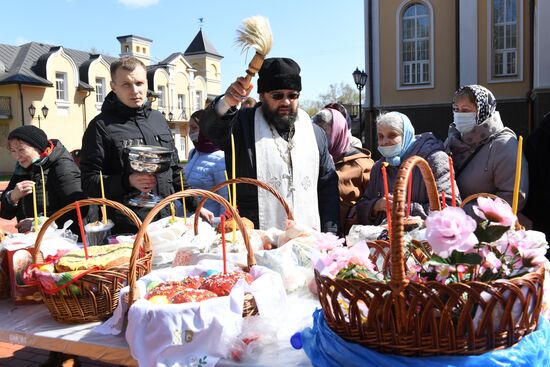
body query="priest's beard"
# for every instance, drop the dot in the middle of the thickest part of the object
(282, 118)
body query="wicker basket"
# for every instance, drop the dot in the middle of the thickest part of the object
(250, 307)
(413, 319)
(99, 290)
(249, 181)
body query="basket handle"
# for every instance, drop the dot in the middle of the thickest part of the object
(87, 202)
(398, 279)
(249, 181)
(517, 225)
(166, 201)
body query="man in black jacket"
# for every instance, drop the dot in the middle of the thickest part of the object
(126, 120)
(276, 143)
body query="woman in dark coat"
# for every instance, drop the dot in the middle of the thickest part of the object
(397, 142)
(35, 154)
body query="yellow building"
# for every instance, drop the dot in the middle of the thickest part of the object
(418, 52)
(60, 90)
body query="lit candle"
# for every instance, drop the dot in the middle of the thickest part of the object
(183, 199)
(103, 207)
(43, 190)
(452, 174)
(443, 203)
(515, 197)
(228, 191)
(386, 196)
(409, 193)
(222, 222)
(34, 207)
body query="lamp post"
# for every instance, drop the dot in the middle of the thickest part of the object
(170, 116)
(32, 112)
(360, 79)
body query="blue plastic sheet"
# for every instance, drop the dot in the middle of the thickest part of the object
(325, 348)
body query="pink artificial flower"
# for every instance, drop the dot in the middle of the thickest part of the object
(496, 211)
(531, 250)
(491, 260)
(450, 229)
(328, 241)
(444, 272)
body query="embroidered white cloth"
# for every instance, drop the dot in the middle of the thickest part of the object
(192, 333)
(296, 182)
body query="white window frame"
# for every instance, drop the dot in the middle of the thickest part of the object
(518, 77)
(161, 89)
(99, 91)
(61, 92)
(399, 42)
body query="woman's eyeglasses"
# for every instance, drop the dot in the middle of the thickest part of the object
(280, 95)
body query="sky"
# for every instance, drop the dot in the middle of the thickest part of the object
(325, 37)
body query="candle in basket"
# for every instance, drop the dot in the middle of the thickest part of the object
(173, 211)
(443, 203)
(409, 193)
(233, 173)
(228, 191)
(34, 207)
(81, 226)
(386, 196)
(222, 221)
(183, 199)
(103, 207)
(517, 181)
(452, 175)
(43, 190)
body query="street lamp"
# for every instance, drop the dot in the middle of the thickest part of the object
(170, 116)
(32, 112)
(360, 79)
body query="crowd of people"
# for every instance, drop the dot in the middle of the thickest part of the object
(327, 178)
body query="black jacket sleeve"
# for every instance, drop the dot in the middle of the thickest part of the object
(328, 195)
(8, 211)
(95, 144)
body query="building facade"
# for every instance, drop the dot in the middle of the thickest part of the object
(419, 52)
(66, 87)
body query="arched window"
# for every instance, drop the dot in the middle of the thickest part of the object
(505, 39)
(415, 40)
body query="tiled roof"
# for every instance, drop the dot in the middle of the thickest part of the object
(25, 64)
(201, 45)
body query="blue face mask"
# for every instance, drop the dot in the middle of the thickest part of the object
(390, 151)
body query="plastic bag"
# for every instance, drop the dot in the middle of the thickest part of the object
(325, 348)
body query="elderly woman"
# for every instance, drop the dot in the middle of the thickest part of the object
(484, 151)
(396, 142)
(38, 157)
(353, 165)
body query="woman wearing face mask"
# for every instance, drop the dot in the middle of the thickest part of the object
(206, 166)
(353, 165)
(484, 151)
(397, 142)
(35, 154)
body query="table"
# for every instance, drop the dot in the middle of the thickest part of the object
(33, 326)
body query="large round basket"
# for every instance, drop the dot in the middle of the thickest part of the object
(248, 181)
(422, 319)
(99, 289)
(250, 307)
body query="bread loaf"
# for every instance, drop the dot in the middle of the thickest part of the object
(103, 257)
(229, 225)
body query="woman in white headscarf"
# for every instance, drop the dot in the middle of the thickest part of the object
(484, 151)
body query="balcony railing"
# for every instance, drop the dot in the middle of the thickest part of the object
(5, 108)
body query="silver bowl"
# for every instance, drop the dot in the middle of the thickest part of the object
(147, 159)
